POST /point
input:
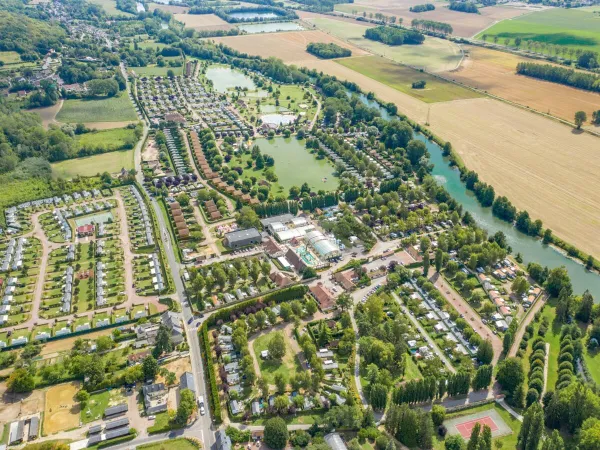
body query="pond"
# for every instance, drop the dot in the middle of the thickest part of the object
(253, 15)
(531, 249)
(278, 119)
(225, 78)
(294, 164)
(270, 27)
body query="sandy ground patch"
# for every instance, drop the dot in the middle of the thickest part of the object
(289, 46)
(172, 398)
(178, 366)
(494, 72)
(62, 411)
(150, 153)
(14, 406)
(540, 165)
(202, 21)
(48, 114)
(62, 345)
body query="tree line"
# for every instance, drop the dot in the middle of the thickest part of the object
(560, 75)
(432, 25)
(422, 8)
(394, 36)
(327, 51)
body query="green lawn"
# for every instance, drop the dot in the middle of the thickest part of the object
(552, 337)
(156, 71)
(288, 366)
(433, 55)
(574, 28)
(412, 371)
(111, 139)
(401, 78)
(98, 403)
(161, 424)
(10, 57)
(91, 165)
(291, 154)
(508, 441)
(171, 444)
(110, 6)
(115, 109)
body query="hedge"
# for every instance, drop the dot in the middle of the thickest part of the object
(209, 369)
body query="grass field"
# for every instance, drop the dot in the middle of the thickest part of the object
(559, 26)
(104, 110)
(10, 57)
(494, 71)
(171, 444)
(433, 55)
(91, 165)
(109, 139)
(201, 21)
(98, 403)
(62, 410)
(288, 366)
(401, 78)
(110, 6)
(155, 71)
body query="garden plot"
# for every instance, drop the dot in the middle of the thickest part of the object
(20, 264)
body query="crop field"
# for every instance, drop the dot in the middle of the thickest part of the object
(111, 162)
(541, 165)
(464, 25)
(110, 6)
(102, 110)
(401, 78)
(108, 139)
(494, 72)
(170, 8)
(202, 21)
(291, 45)
(433, 55)
(579, 29)
(62, 410)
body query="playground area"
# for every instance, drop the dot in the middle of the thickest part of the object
(464, 425)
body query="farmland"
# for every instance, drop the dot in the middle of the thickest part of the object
(572, 28)
(292, 46)
(401, 78)
(433, 55)
(90, 165)
(494, 72)
(464, 25)
(202, 21)
(103, 110)
(110, 6)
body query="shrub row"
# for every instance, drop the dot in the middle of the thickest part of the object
(537, 363)
(215, 403)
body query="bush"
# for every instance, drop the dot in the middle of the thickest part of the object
(565, 366)
(238, 436)
(532, 396)
(300, 438)
(381, 442)
(438, 413)
(537, 384)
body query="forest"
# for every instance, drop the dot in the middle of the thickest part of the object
(394, 36)
(327, 51)
(560, 75)
(466, 7)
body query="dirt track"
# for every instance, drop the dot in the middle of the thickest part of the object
(494, 72)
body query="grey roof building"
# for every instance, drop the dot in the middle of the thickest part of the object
(187, 382)
(124, 421)
(223, 441)
(34, 427)
(116, 410)
(242, 238)
(16, 433)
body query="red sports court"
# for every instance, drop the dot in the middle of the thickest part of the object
(465, 428)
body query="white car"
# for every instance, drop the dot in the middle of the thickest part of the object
(202, 410)
(151, 417)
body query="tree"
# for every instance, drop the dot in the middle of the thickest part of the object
(520, 285)
(276, 346)
(247, 218)
(344, 301)
(485, 352)
(532, 428)
(82, 397)
(584, 313)
(580, 118)
(280, 382)
(454, 442)
(473, 443)
(439, 259)
(20, 381)
(104, 343)
(438, 414)
(510, 374)
(276, 433)
(163, 342)
(150, 367)
(555, 442)
(415, 151)
(187, 405)
(558, 278)
(378, 396)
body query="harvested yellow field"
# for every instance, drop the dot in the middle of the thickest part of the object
(540, 165)
(494, 72)
(289, 46)
(202, 21)
(62, 410)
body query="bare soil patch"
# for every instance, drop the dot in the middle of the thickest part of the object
(494, 72)
(150, 153)
(13, 406)
(62, 410)
(289, 46)
(47, 114)
(540, 165)
(178, 366)
(202, 21)
(62, 345)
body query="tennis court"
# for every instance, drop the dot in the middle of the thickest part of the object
(464, 425)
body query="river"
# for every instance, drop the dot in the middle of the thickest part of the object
(531, 249)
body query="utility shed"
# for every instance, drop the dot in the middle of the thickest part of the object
(335, 442)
